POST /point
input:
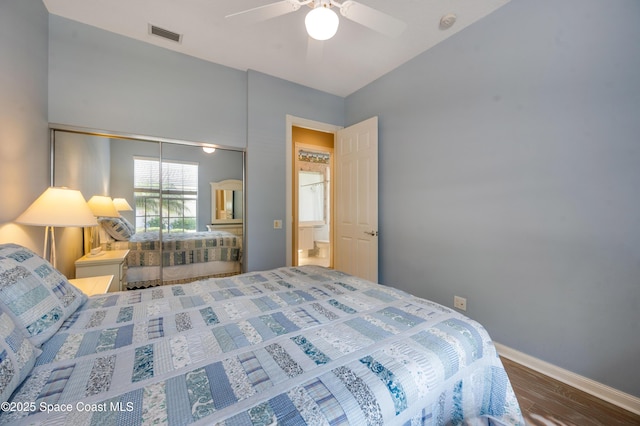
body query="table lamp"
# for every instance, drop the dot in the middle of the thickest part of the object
(57, 206)
(122, 205)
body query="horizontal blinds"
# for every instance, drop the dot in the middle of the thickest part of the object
(177, 178)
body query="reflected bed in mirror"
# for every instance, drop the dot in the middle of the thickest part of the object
(167, 231)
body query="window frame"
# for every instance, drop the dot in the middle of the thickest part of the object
(156, 202)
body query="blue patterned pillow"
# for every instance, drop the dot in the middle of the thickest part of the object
(130, 227)
(117, 227)
(17, 356)
(36, 296)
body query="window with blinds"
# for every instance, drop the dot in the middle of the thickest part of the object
(171, 206)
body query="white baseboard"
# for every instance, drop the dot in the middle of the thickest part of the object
(604, 392)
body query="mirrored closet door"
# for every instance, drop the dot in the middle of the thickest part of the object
(158, 225)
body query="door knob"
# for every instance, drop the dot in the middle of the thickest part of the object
(372, 233)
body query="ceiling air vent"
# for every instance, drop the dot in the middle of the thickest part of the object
(161, 32)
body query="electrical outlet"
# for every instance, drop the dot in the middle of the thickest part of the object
(460, 303)
(277, 224)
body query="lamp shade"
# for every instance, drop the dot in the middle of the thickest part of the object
(122, 205)
(58, 207)
(321, 23)
(102, 206)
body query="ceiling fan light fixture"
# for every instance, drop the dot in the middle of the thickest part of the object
(322, 23)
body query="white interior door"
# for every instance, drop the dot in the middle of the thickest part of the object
(356, 160)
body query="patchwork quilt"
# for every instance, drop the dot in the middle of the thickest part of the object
(303, 345)
(179, 248)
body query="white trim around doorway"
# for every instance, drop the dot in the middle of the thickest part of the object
(307, 124)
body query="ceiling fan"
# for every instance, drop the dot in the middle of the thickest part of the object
(322, 22)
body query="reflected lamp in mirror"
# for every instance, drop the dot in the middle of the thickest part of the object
(61, 207)
(227, 201)
(101, 206)
(122, 205)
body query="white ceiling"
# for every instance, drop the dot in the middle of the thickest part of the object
(353, 58)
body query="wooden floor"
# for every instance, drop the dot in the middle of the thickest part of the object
(546, 401)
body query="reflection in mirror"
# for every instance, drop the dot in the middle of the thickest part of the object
(167, 186)
(227, 201)
(311, 195)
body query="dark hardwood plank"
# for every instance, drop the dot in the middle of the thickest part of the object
(548, 402)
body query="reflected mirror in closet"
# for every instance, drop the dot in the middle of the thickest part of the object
(227, 206)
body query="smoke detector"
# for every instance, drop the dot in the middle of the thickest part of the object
(447, 21)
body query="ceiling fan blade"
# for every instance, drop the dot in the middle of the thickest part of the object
(314, 50)
(372, 18)
(268, 11)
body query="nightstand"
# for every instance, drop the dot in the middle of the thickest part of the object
(95, 285)
(109, 262)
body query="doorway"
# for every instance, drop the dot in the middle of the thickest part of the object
(354, 236)
(312, 195)
(304, 123)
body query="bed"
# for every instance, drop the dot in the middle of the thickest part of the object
(185, 256)
(302, 345)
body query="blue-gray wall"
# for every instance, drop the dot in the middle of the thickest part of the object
(84, 163)
(270, 100)
(101, 80)
(24, 135)
(509, 175)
